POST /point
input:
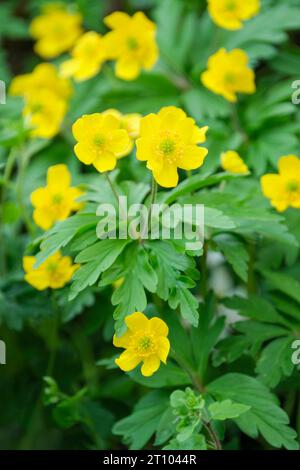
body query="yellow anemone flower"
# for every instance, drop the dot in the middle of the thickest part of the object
(232, 162)
(168, 141)
(145, 341)
(101, 141)
(44, 112)
(87, 57)
(55, 30)
(283, 189)
(55, 272)
(228, 74)
(230, 14)
(44, 76)
(57, 200)
(131, 43)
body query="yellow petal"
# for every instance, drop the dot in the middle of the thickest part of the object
(150, 365)
(28, 263)
(118, 19)
(289, 165)
(122, 341)
(38, 280)
(167, 177)
(128, 360)
(192, 158)
(84, 153)
(120, 142)
(127, 69)
(40, 197)
(158, 326)
(58, 177)
(105, 162)
(163, 348)
(43, 218)
(136, 321)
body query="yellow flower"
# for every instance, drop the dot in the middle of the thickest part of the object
(55, 272)
(43, 77)
(88, 56)
(230, 14)
(145, 341)
(228, 73)
(232, 162)
(283, 189)
(55, 30)
(44, 111)
(57, 200)
(101, 141)
(168, 140)
(132, 43)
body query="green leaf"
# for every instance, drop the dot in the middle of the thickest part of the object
(206, 335)
(227, 409)
(284, 283)
(140, 426)
(265, 416)
(275, 361)
(235, 252)
(255, 307)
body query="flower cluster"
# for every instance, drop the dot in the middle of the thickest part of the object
(167, 141)
(46, 97)
(131, 43)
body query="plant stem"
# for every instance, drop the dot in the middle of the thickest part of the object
(213, 435)
(6, 177)
(112, 187)
(152, 200)
(22, 165)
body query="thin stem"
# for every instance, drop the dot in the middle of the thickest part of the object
(6, 177)
(237, 125)
(112, 187)
(152, 200)
(213, 435)
(22, 165)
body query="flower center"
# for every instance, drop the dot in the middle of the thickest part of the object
(51, 267)
(167, 147)
(230, 78)
(132, 43)
(292, 186)
(57, 198)
(36, 108)
(230, 5)
(98, 140)
(144, 345)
